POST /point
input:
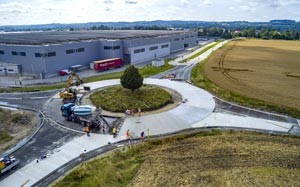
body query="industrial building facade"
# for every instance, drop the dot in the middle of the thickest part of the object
(45, 53)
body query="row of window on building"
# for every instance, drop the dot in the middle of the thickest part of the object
(152, 48)
(48, 54)
(177, 39)
(111, 47)
(14, 53)
(79, 50)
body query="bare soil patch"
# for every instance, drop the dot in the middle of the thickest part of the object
(14, 126)
(267, 70)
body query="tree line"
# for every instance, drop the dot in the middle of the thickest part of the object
(249, 33)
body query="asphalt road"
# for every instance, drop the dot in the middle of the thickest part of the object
(47, 140)
(34, 100)
(49, 137)
(182, 72)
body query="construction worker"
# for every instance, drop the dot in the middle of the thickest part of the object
(87, 130)
(127, 134)
(114, 132)
(142, 135)
(139, 112)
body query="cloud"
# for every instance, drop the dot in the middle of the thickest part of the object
(184, 2)
(247, 8)
(107, 1)
(207, 3)
(201, 3)
(273, 3)
(15, 8)
(16, 12)
(131, 2)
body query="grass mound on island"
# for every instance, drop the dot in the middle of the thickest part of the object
(119, 99)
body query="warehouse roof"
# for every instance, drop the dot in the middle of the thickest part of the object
(50, 37)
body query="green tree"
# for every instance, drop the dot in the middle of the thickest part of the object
(131, 78)
(297, 37)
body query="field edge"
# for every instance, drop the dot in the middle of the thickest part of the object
(200, 79)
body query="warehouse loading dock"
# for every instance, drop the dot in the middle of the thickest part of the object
(7, 69)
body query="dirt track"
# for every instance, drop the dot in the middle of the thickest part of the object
(18, 124)
(229, 159)
(263, 69)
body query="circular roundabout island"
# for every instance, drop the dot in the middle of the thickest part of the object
(147, 98)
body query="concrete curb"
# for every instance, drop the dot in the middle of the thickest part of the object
(250, 109)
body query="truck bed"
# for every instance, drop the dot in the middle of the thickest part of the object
(11, 166)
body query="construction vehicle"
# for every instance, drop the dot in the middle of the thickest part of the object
(69, 95)
(85, 115)
(8, 163)
(170, 76)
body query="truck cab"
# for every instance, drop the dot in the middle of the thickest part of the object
(8, 163)
(66, 110)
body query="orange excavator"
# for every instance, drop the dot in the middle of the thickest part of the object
(69, 94)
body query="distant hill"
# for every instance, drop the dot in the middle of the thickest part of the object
(280, 25)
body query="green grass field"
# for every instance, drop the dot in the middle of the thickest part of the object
(5, 137)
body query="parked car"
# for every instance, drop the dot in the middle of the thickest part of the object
(170, 76)
(64, 72)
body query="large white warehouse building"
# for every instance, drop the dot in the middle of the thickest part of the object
(45, 53)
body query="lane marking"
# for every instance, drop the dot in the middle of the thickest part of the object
(67, 128)
(46, 97)
(11, 98)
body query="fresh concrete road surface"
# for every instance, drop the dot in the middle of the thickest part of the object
(199, 105)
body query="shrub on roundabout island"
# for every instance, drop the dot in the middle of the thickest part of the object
(131, 78)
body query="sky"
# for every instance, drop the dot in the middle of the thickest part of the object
(25, 12)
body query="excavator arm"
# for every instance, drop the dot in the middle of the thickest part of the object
(69, 93)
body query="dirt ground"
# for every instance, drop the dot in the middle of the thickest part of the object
(17, 124)
(268, 70)
(228, 159)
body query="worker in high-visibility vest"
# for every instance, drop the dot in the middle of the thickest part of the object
(87, 130)
(114, 132)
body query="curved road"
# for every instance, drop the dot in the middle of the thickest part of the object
(51, 136)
